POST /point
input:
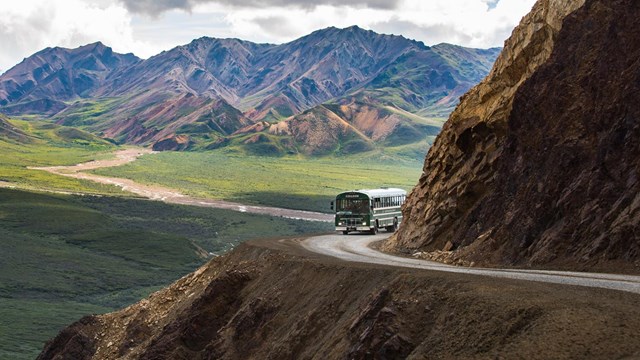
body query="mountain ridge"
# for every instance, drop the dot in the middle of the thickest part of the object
(60, 73)
(193, 85)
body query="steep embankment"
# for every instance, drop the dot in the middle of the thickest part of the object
(538, 165)
(270, 300)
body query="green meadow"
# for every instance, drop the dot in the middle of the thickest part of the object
(290, 182)
(47, 144)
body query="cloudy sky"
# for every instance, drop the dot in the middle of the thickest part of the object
(146, 27)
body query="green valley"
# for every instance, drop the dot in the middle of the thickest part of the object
(65, 256)
(290, 182)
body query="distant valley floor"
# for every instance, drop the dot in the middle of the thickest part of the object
(171, 196)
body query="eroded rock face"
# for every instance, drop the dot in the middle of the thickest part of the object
(538, 164)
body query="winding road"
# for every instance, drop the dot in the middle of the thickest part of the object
(356, 248)
(352, 248)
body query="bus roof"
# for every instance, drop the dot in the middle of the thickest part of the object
(374, 193)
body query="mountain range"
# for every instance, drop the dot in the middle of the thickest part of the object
(334, 90)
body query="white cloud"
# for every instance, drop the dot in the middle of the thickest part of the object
(463, 22)
(476, 23)
(27, 26)
(156, 7)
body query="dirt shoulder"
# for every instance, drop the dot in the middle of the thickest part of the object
(272, 299)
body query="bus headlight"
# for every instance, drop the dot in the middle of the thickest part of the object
(340, 223)
(364, 223)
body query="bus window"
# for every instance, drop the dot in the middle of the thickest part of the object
(356, 206)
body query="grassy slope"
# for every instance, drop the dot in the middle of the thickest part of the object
(50, 145)
(292, 182)
(67, 256)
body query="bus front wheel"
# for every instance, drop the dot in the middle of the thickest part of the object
(345, 232)
(375, 228)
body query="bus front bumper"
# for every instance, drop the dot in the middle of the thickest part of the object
(353, 228)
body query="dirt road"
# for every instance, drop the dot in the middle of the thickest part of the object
(356, 248)
(169, 195)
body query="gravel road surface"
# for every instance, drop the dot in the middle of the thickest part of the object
(356, 248)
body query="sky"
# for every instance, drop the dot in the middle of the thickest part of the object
(147, 27)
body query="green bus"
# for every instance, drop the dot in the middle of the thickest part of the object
(369, 210)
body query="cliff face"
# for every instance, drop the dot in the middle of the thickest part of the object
(539, 162)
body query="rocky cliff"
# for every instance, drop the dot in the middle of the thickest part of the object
(538, 164)
(267, 300)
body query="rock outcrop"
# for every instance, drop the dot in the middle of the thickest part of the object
(539, 163)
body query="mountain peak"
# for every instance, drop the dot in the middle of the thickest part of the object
(95, 45)
(98, 46)
(355, 28)
(61, 74)
(349, 29)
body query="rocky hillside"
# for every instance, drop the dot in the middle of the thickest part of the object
(538, 165)
(205, 91)
(267, 300)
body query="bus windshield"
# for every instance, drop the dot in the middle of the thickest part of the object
(357, 206)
